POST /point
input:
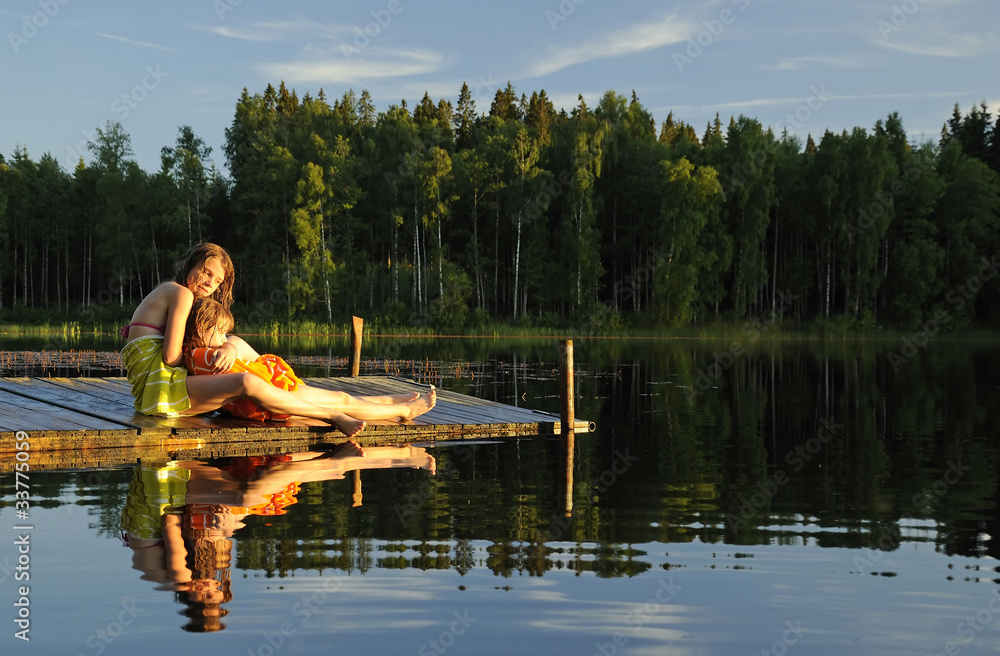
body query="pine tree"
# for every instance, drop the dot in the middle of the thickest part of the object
(504, 105)
(464, 119)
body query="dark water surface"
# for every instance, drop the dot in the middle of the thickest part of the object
(736, 498)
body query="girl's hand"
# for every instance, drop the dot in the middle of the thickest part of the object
(225, 358)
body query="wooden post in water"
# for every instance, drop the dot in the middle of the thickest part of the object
(568, 414)
(567, 418)
(356, 495)
(357, 323)
(569, 439)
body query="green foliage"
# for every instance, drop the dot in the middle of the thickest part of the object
(451, 311)
(455, 219)
(690, 197)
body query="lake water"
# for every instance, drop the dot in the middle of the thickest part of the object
(811, 497)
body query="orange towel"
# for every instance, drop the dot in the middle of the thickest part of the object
(267, 367)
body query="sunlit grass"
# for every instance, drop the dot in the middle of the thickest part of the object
(66, 328)
(755, 330)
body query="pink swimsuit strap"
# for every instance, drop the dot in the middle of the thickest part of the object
(125, 329)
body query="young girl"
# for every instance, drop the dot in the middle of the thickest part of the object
(153, 358)
(205, 333)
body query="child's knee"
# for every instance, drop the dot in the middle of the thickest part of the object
(250, 384)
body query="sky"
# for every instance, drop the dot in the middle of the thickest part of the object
(70, 66)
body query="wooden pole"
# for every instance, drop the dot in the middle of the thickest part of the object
(356, 495)
(567, 418)
(570, 445)
(357, 324)
(568, 414)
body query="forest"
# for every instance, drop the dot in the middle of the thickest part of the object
(457, 217)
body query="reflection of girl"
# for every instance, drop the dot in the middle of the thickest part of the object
(179, 518)
(208, 554)
(183, 547)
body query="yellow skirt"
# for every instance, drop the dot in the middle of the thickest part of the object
(153, 492)
(158, 388)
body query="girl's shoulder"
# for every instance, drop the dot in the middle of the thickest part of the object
(172, 289)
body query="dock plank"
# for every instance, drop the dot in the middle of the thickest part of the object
(91, 422)
(20, 411)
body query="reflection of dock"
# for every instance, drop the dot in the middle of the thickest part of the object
(90, 422)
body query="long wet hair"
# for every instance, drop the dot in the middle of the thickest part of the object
(206, 314)
(194, 260)
(209, 557)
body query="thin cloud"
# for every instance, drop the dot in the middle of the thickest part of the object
(135, 43)
(770, 102)
(340, 70)
(815, 61)
(638, 38)
(936, 34)
(242, 35)
(288, 30)
(953, 46)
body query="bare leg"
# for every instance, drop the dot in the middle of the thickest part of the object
(391, 398)
(360, 408)
(243, 350)
(385, 398)
(212, 392)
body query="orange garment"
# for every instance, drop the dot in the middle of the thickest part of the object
(274, 504)
(267, 367)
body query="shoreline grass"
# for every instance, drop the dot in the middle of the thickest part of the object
(719, 331)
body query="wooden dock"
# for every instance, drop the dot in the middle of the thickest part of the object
(84, 423)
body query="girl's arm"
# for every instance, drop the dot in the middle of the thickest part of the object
(178, 309)
(234, 348)
(225, 358)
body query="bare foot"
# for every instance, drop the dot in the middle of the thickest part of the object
(348, 425)
(346, 450)
(420, 405)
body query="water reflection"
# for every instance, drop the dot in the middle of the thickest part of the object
(179, 518)
(826, 481)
